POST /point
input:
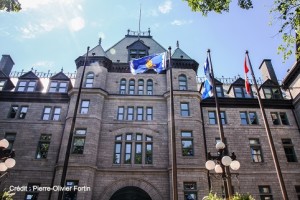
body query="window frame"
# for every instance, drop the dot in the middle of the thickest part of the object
(140, 113)
(190, 190)
(130, 113)
(121, 113)
(149, 113)
(45, 139)
(263, 194)
(122, 88)
(23, 113)
(131, 87)
(79, 136)
(187, 151)
(140, 87)
(149, 87)
(89, 80)
(182, 82)
(184, 112)
(84, 110)
(287, 144)
(255, 156)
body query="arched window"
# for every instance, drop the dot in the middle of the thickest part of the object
(141, 87)
(182, 82)
(123, 86)
(131, 86)
(89, 80)
(149, 87)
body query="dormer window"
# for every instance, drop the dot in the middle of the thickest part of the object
(26, 86)
(272, 93)
(57, 86)
(137, 53)
(219, 90)
(240, 92)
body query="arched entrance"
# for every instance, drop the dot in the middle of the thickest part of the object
(130, 193)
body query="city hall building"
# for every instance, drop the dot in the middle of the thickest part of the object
(121, 146)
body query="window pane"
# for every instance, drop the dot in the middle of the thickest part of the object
(275, 118)
(243, 116)
(253, 118)
(186, 134)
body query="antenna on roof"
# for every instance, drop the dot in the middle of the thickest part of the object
(140, 22)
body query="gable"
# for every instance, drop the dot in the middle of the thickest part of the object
(60, 76)
(29, 75)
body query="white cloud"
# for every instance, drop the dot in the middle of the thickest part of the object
(165, 7)
(49, 15)
(181, 22)
(76, 24)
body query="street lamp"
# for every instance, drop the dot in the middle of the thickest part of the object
(220, 162)
(6, 156)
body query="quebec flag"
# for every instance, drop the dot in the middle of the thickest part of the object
(208, 88)
(157, 62)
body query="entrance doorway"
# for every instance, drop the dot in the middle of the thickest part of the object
(130, 193)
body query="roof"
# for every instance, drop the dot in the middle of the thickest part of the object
(119, 53)
(96, 51)
(179, 54)
(291, 76)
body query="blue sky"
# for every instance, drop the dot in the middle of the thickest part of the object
(51, 34)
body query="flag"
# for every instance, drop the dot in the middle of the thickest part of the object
(208, 82)
(157, 62)
(247, 84)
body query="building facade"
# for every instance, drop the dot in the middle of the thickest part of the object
(121, 143)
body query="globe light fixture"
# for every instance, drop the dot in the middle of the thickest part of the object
(235, 165)
(6, 156)
(210, 165)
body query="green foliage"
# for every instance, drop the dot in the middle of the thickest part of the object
(286, 12)
(6, 195)
(10, 5)
(236, 196)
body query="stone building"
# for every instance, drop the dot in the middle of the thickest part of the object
(121, 144)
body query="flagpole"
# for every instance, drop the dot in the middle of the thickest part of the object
(270, 139)
(173, 135)
(227, 181)
(68, 150)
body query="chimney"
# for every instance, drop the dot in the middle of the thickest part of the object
(267, 71)
(6, 64)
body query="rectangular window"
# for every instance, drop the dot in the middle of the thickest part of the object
(43, 146)
(32, 191)
(78, 141)
(149, 113)
(268, 93)
(62, 87)
(212, 117)
(138, 153)
(71, 194)
(140, 114)
(22, 86)
(56, 114)
(128, 153)
(23, 112)
(190, 191)
(253, 118)
(118, 149)
(238, 91)
(10, 137)
(140, 87)
(244, 119)
(283, 118)
(84, 108)
(31, 86)
(219, 90)
(255, 148)
(265, 192)
(187, 143)
(46, 113)
(13, 111)
(184, 109)
(275, 118)
(149, 153)
(53, 86)
(289, 150)
(248, 118)
(130, 113)
(120, 113)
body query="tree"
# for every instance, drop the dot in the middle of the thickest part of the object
(288, 12)
(10, 5)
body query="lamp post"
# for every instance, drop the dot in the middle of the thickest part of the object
(6, 156)
(220, 164)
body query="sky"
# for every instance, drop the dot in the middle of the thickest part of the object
(51, 34)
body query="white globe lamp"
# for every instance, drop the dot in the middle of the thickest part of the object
(210, 165)
(235, 165)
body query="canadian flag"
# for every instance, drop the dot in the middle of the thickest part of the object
(247, 84)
